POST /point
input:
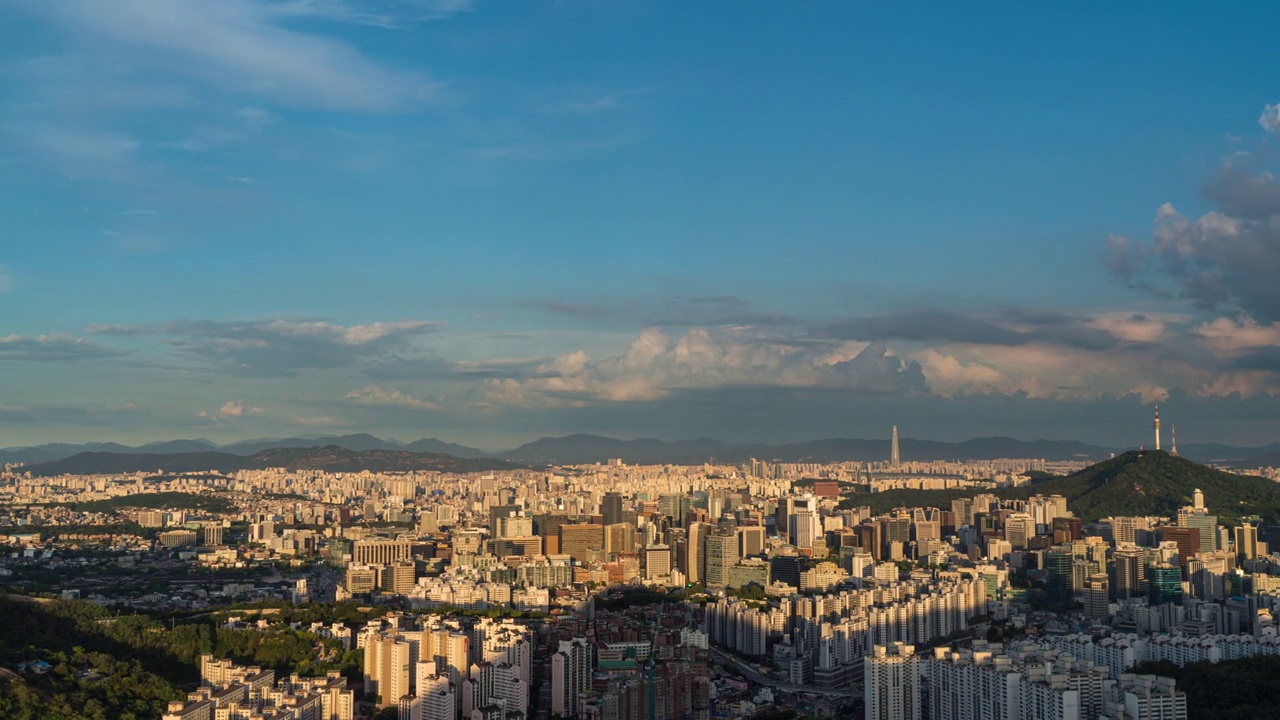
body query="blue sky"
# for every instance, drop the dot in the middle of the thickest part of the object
(490, 221)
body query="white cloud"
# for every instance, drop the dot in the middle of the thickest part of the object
(318, 421)
(388, 397)
(948, 376)
(1230, 336)
(79, 153)
(1270, 118)
(1245, 383)
(1133, 327)
(386, 14)
(55, 347)
(280, 347)
(231, 410)
(657, 364)
(245, 46)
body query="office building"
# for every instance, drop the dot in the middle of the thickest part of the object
(657, 562)
(1130, 568)
(721, 555)
(582, 542)
(1097, 597)
(611, 508)
(380, 552)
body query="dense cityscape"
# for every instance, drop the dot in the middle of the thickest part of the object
(639, 360)
(612, 591)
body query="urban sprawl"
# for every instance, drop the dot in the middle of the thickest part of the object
(620, 592)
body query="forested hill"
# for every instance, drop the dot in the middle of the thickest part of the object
(1138, 483)
(1153, 482)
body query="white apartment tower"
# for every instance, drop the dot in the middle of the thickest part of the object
(439, 704)
(891, 683)
(570, 675)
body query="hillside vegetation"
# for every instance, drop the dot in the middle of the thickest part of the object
(1134, 483)
(129, 667)
(159, 501)
(1245, 688)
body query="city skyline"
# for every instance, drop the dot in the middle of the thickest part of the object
(491, 223)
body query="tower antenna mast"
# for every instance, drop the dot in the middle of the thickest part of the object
(1156, 425)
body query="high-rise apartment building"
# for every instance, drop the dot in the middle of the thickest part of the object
(439, 704)
(388, 659)
(891, 683)
(570, 675)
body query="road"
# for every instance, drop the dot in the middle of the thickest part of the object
(759, 679)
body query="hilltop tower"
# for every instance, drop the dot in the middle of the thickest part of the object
(1173, 440)
(1156, 425)
(895, 457)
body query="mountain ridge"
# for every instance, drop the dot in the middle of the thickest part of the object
(329, 458)
(585, 448)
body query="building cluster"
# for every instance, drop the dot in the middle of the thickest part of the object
(1122, 651)
(438, 669)
(234, 692)
(1024, 681)
(595, 666)
(821, 639)
(804, 582)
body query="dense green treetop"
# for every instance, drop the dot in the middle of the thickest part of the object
(1137, 483)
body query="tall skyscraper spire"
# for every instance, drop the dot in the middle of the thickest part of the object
(1173, 439)
(895, 458)
(1156, 425)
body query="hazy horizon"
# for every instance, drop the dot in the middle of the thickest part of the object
(518, 442)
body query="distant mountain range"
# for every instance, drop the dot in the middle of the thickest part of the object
(329, 458)
(581, 449)
(360, 442)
